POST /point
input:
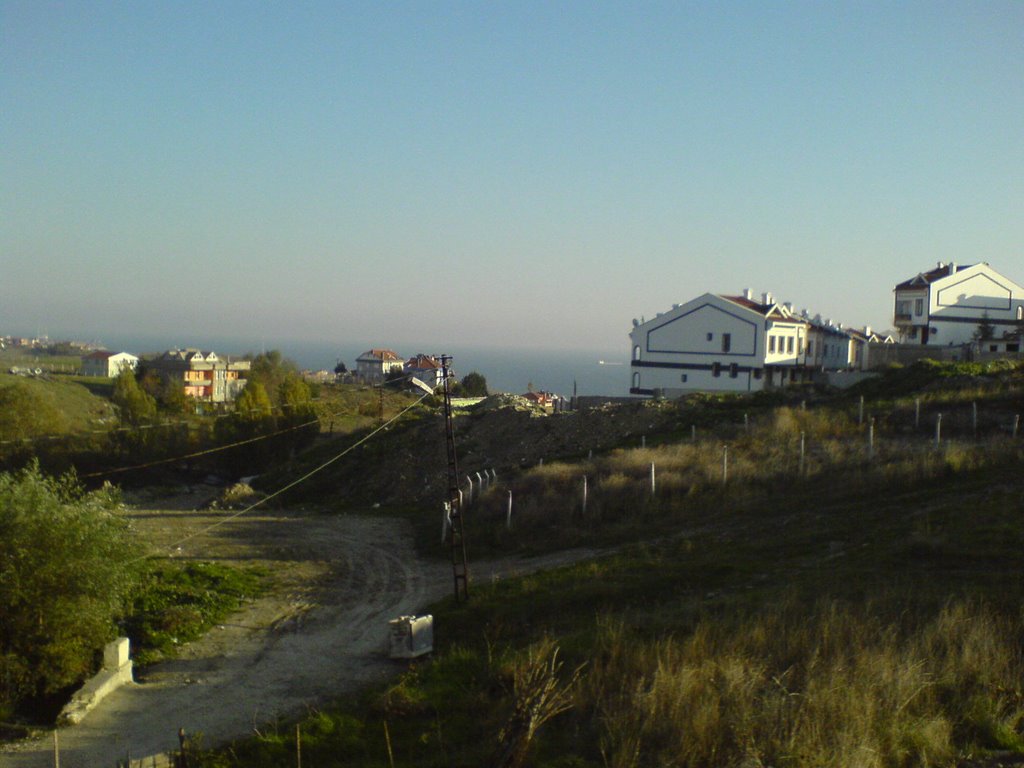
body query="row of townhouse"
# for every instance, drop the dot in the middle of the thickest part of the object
(738, 344)
(376, 365)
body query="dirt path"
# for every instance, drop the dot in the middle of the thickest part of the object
(319, 635)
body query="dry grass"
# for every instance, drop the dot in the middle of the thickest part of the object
(836, 687)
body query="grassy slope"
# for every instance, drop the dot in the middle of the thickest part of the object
(82, 409)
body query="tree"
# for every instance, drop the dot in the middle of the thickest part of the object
(270, 369)
(340, 368)
(65, 576)
(135, 406)
(986, 330)
(474, 385)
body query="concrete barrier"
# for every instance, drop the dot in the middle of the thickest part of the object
(116, 671)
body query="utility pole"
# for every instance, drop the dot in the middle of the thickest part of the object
(460, 570)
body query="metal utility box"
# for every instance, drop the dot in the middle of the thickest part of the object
(410, 636)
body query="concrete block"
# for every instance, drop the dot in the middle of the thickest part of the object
(115, 654)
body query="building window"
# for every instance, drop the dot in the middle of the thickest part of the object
(757, 373)
(733, 371)
(636, 380)
(683, 378)
(636, 352)
(716, 369)
(711, 336)
(789, 345)
(993, 347)
(1020, 312)
(918, 306)
(771, 344)
(726, 341)
(810, 346)
(1013, 347)
(800, 346)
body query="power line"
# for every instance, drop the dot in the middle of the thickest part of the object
(294, 483)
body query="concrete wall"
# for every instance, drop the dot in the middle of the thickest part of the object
(116, 671)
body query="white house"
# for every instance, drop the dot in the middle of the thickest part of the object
(108, 364)
(374, 365)
(719, 343)
(427, 369)
(947, 304)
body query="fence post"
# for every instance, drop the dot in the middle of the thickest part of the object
(652, 478)
(860, 411)
(1016, 425)
(725, 464)
(469, 496)
(938, 429)
(803, 438)
(974, 418)
(917, 413)
(298, 746)
(871, 438)
(693, 432)
(480, 482)
(746, 423)
(643, 441)
(508, 515)
(56, 750)
(445, 512)
(584, 495)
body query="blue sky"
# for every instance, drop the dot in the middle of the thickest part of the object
(503, 174)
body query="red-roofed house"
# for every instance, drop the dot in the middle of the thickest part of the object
(427, 369)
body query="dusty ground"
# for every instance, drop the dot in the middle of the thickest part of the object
(318, 635)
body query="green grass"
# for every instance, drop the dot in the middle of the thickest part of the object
(81, 409)
(178, 602)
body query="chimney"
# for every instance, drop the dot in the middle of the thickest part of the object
(942, 265)
(952, 267)
(789, 306)
(766, 298)
(748, 294)
(867, 331)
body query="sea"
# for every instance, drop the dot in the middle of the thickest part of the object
(566, 372)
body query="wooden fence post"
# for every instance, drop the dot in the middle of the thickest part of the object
(803, 439)
(508, 515)
(938, 429)
(725, 464)
(584, 495)
(652, 479)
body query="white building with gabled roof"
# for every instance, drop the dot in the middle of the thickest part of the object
(946, 305)
(108, 364)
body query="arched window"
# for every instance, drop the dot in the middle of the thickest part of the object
(636, 352)
(636, 380)
(1020, 312)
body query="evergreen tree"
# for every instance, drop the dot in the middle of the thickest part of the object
(135, 406)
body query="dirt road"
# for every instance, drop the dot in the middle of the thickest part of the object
(319, 635)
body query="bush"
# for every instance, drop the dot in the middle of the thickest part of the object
(65, 574)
